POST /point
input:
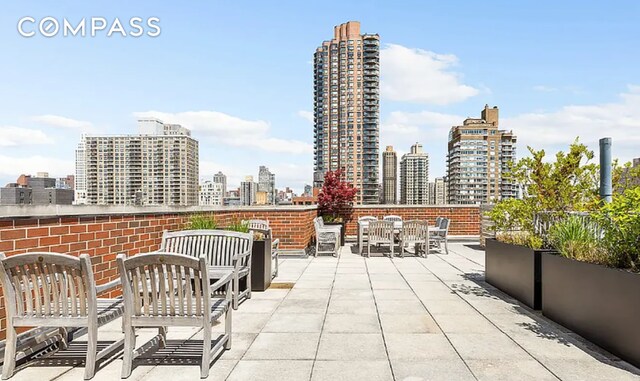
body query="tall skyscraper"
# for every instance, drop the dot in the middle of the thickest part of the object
(414, 177)
(479, 156)
(221, 178)
(157, 167)
(267, 184)
(389, 176)
(248, 189)
(346, 109)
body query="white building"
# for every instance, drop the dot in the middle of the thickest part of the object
(414, 177)
(157, 167)
(211, 193)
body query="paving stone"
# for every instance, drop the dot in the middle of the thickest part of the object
(351, 346)
(349, 323)
(351, 370)
(419, 346)
(440, 370)
(283, 322)
(415, 323)
(269, 370)
(283, 346)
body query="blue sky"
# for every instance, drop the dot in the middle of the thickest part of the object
(240, 75)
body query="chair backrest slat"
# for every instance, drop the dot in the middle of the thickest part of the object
(414, 230)
(392, 218)
(43, 284)
(172, 285)
(380, 231)
(220, 247)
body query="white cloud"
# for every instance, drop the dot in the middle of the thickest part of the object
(64, 122)
(308, 115)
(11, 136)
(231, 130)
(421, 76)
(12, 166)
(556, 130)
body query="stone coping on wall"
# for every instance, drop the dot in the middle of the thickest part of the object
(25, 211)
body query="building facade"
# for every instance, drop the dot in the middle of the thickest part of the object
(248, 190)
(389, 176)
(346, 109)
(414, 177)
(267, 184)
(221, 178)
(157, 167)
(35, 190)
(211, 193)
(478, 158)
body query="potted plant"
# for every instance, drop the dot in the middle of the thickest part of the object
(202, 221)
(513, 261)
(592, 286)
(260, 255)
(335, 201)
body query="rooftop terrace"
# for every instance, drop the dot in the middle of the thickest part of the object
(369, 318)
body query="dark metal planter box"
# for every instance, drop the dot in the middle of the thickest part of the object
(515, 270)
(599, 303)
(261, 265)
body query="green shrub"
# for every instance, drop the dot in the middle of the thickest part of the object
(620, 221)
(521, 238)
(577, 237)
(202, 221)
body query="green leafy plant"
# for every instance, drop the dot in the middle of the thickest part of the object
(551, 189)
(577, 237)
(620, 221)
(238, 226)
(202, 221)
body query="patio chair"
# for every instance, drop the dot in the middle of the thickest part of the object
(414, 232)
(438, 219)
(392, 218)
(380, 232)
(223, 249)
(262, 226)
(168, 289)
(362, 231)
(326, 236)
(44, 289)
(441, 235)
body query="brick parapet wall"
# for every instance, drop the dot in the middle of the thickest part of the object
(103, 232)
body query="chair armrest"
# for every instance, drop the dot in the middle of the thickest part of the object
(331, 228)
(242, 255)
(100, 288)
(221, 282)
(275, 244)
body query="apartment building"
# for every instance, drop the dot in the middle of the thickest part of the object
(414, 177)
(346, 109)
(159, 166)
(478, 158)
(211, 193)
(267, 184)
(389, 176)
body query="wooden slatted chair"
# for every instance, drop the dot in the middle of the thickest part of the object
(328, 236)
(55, 290)
(441, 235)
(263, 227)
(415, 232)
(380, 232)
(167, 289)
(223, 249)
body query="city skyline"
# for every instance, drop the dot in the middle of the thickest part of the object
(545, 74)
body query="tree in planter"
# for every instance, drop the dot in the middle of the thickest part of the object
(550, 191)
(335, 200)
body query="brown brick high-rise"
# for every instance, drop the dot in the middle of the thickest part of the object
(346, 109)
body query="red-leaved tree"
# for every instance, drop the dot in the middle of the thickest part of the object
(335, 200)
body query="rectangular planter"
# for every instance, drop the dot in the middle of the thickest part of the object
(599, 303)
(261, 265)
(515, 270)
(343, 230)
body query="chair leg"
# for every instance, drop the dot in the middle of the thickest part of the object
(391, 244)
(162, 331)
(236, 291)
(206, 351)
(446, 246)
(368, 250)
(277, 260)
(317, 247)
(249, 285)
(92, 352)
(9, 364)
(129, 347)
(227, 328)
(64, 336)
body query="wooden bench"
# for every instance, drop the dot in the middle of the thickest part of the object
(222, 249)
